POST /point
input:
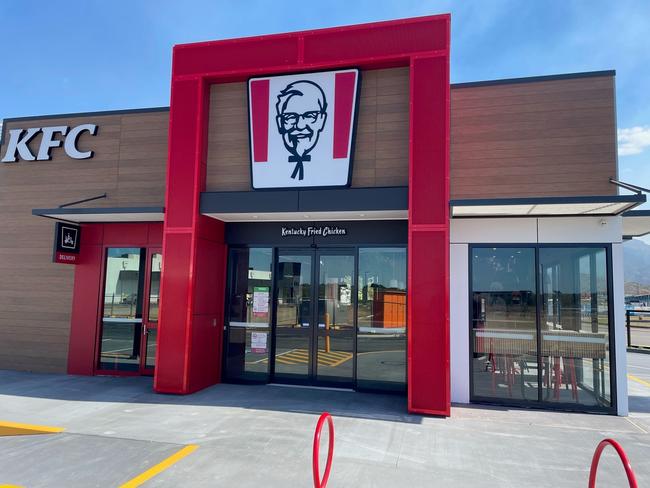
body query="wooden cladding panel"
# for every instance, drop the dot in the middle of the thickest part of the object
(381, 147)
(129, 164)
(542, 138)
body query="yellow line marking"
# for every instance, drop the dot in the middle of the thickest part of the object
(638, 380)
(636, 425)
(160, 467)
(15, 428)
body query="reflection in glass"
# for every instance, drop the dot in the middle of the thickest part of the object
(293, 318)
(575, 326)
(249, 314)
(152, 340)
(122, 314)
(154, 287)
(381, 319)
(504, 328)
(335, 319)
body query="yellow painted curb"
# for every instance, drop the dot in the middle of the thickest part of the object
(15, 428)
(160, 467)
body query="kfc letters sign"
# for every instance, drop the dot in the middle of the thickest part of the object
(19, 139)
(302, 128)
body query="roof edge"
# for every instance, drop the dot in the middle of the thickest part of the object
(532, 79)
(99, 113)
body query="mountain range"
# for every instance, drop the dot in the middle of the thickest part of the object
(636, 256)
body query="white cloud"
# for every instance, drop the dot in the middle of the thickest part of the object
(633, 140)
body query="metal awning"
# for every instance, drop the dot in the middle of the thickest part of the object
(379, 203)
(636, 223)
(103, 214)
(593, 206)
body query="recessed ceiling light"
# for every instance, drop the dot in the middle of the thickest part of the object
(362, 215)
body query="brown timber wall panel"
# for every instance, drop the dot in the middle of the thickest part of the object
(541, 138)
(130, 154)
(381, 148)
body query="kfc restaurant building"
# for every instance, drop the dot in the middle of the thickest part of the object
(323, 208)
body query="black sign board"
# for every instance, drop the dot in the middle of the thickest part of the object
(67, 239)
(313, 231)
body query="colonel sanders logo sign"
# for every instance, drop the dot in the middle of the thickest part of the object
(302, 128)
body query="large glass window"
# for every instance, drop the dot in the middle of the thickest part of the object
(504, 324)
(249, 314)
(575, 325)
(122, 314)
(552, 298)
(381, 319)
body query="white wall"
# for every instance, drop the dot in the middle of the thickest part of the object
(459, 322)
(518, 231)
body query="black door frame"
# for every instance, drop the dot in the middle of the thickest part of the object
(314, 333)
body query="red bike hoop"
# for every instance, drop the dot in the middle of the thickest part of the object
(318, 482)
(621, 453)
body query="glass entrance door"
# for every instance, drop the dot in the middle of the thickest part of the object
(130, 311)
(314, 318)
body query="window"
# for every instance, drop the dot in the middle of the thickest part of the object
(381, 319)
(504, 326)
(540, 326)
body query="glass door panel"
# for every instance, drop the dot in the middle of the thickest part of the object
(151, 320)
(293, 324)
(335, 319)
(119, 349)
(248, 317)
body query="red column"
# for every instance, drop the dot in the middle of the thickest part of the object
(85, 301)
(189, 335)
(428, 248)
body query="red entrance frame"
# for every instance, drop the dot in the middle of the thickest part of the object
(87, 302)
(194, 250)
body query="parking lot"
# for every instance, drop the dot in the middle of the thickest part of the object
(118, 432)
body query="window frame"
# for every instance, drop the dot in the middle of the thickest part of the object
(541, 404)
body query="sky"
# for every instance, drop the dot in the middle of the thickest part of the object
(77, 56)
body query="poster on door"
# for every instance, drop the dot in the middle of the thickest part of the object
(258, 342)
(260, 301)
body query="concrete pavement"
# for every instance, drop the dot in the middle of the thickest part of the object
(254, 436)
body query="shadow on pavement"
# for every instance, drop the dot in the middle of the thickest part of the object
(256, 397)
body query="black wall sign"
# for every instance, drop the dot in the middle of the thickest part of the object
(332, 233)
(67, 240)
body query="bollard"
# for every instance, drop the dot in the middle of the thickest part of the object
(631, 478)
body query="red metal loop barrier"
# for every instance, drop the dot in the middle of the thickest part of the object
(621, 453)
(318, 482)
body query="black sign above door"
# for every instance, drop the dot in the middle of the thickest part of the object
(332, 233)
(313, 231)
